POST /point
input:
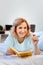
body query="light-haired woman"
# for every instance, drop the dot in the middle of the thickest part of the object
(20, 38)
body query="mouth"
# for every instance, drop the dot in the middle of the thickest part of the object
(22, 33)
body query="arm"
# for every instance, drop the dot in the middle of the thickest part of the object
(35, 40)
(9, 52)
(7, 43)
(37, 51)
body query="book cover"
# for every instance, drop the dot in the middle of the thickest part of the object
(21, 54)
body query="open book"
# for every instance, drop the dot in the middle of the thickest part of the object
(21, 54)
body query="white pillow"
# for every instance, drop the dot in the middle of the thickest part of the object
(38, 34)
(40, 43)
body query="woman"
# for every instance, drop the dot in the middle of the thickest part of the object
(20, 38)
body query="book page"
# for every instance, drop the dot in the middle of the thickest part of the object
(22, 54)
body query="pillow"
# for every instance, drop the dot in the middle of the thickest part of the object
(40, 43)
(38, 34)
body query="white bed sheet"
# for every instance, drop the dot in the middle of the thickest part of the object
(14, 60)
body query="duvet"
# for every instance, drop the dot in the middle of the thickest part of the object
(14, 60)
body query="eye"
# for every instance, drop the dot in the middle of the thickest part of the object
(20, 27)
(25, 27)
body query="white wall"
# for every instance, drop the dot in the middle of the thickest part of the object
(32, 10)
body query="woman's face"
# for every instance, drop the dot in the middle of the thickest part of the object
(21, 30)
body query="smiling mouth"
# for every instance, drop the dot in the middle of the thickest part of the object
(22, 33)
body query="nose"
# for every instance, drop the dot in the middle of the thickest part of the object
(22, 30)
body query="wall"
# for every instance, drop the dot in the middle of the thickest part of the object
(32, 10)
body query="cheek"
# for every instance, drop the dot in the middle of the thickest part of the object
(25, 31)
(18, 31)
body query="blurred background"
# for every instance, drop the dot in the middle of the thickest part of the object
(31, 10)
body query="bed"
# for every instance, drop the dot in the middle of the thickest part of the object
(14, 60)
(32, 60)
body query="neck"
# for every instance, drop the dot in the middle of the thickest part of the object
(20, 39)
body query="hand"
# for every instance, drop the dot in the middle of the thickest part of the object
(10, 52)
(35, 39)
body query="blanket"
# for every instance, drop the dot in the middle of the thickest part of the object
(14, 60)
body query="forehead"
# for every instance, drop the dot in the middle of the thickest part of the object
(23, 24)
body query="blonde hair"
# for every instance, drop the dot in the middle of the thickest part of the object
(16, 23)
